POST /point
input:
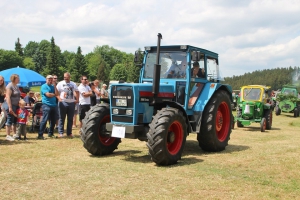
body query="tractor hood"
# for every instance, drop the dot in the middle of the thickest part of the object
(141, 92)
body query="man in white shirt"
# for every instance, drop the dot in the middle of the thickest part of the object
(84, 98)
(66, 104)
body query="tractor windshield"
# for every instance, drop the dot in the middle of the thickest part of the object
(289, 92)
(251, 94)
(173, 65)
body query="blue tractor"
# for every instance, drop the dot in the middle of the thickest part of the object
(179, 92)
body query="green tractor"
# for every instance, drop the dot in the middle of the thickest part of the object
(255, 105)
(287, 101)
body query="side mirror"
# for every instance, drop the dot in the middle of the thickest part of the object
(195, 56)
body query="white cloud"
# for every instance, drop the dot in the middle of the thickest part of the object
(247, 35)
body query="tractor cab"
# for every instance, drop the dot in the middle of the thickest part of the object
(256, 93)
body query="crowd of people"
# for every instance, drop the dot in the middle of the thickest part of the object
(61, 102)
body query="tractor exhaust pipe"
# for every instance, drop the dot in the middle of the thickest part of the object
(156, 71)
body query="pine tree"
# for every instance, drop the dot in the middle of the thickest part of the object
(18, 48)
(80, 66)
(52, 59)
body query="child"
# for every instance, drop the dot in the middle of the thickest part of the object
(22, 119)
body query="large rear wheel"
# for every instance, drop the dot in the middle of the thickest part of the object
(216, 123)
(167, 136)
(269, 119)
(95, 141)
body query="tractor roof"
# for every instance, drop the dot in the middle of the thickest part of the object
(257, 86)
(183, 48)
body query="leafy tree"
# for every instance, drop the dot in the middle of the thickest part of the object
(18, 47)
(40, 56)
(31, 48)
(118, 73)
(9, 59)
(110, 55)
(28, 63)
(97, 67)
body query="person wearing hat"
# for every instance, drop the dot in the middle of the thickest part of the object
(104, 93)
(49, 107)
(29, 98)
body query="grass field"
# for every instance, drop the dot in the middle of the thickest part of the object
(255, 165)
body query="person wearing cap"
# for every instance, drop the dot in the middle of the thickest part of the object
(104, 93)
(49, 107)
(29, 98)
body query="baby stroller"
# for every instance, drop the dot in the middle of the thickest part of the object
(37, 115)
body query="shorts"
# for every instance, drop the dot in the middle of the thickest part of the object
(10, 119)
(76, 109)
(21, 129)
(82, 110)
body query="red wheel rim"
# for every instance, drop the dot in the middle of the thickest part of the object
(222, 121)
(105, 140)
(177, 132)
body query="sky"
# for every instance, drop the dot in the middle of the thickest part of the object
(248, 35)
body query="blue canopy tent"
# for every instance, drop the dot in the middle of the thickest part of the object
(27, 77)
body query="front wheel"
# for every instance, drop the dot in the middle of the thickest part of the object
(167, 136)
(216, 123)
(239, 124)
(94, 137)
(277, 110)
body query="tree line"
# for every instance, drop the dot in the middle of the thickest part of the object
(45, 57)
(107, 63)
(275, 78)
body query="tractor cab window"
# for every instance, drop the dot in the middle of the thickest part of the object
(251, 94)
(213, 69)
(173, 65)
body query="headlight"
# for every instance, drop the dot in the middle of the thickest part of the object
(115, 111)
(128, 112)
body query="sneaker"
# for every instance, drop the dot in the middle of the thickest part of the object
(60, 135)
(51, 136)
(70, 136)
(15, 136)
(9, 138)
(41, 138)
(25, 138)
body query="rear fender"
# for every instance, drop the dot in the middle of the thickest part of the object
(208, 90)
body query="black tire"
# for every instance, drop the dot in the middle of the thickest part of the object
(239, 124)
(269, 119)
(167, 136)
(295, 112)
(216, 123)
(277, 110)
(93, 129)
(263, 124)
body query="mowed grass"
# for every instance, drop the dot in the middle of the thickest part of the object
(255, 165)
